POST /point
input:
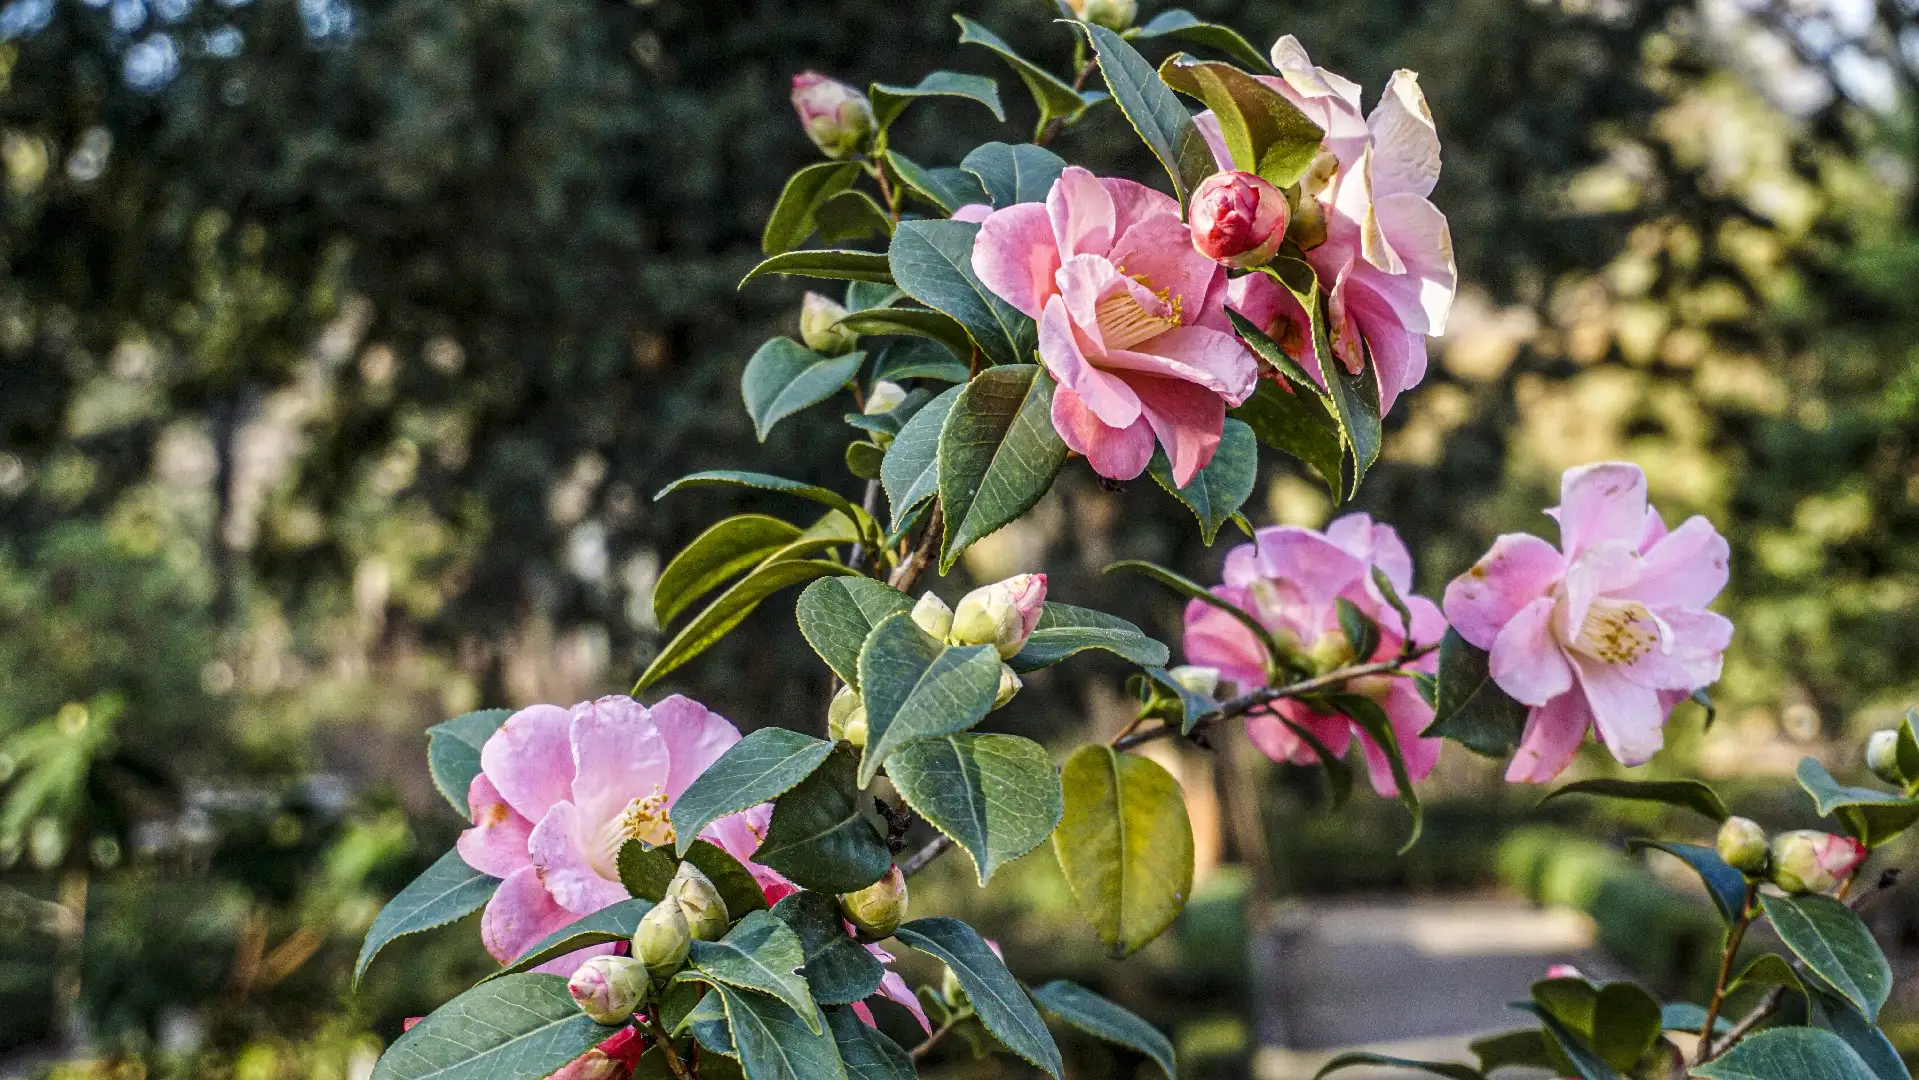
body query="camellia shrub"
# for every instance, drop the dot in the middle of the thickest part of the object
(667, 898)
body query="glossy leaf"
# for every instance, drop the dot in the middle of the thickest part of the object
(1194, 591)
(866, 1051)
(863, 459)
(997, 796)
(838, 969)
(792, 219)
(1685, 1016)
(729, 875)
(917, 322)
(784, 377)
(1339, 775)
(1626, 1023)
(1064, 630)
(826, 497)
(819, 839)
(1181, 25)
(1908, 747)
(851, 215)
(1768, 969)
(933, 263)
(1014, 173)
(726, 550)
(1831, 940)
(605, 926)
(730, 609)
(919, 359)
(1470, 708)
(832, 264)
(445, 891)
(890, 100)
(1525, 1048)
(1192, 707)
(453, 752)
(1354, 397)
(1296, 424)
(644, 871)
(1362, 633)
(996, 996)
(1265, 133)
(775, 1043)
(910, 473)
(1124, 845)
(1585, 1060)
(1833, 1014)
(763, 954)
(1793, 1053)
(1358, 1058)
(1217, 491)
(1057, 100)
(998, 454)
(866, 295)
(916, 687)
(837, 614)
(1102, 1019)
(1162, 122)
(947, 189)
(1684, 794)
(759, 768)
(522, 1025)
(1726, 886)
(1372, 719)
(1872, 816)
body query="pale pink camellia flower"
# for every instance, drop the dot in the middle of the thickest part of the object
(838, 118)
(1132, 321)
(976, 212)
(1291, 579)
(1610, 630)
(1387, 257)
(1809, 861)
(1238, 219)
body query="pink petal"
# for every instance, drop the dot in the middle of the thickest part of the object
(976, 213)
(1213, 638)
(1692, 655)
(1134, 202)
(1319, 568)
(1082, 214)
(1518, 570)
(1196, 354)
(1428, 624)
(530, 760)
(1107, 396)
(1158, 251)
(1378, 544)
(618, 756)
(1409, 715)
(1270, 735)
(1115, 453)
(695, 737)
(1553, 734)
(894, 989)
(1601, 502)
(566, 865)
(520, 914)
(496, 844)
(1421, 296)
(1278, 314)
(1186, 418)
(1654, 532)
(1016, 256)
(1629, 717)
(1526, 661)
(1689, 566)
(1405, 143)
(1215, 137)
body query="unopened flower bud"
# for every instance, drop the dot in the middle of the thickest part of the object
(1808, 861)
(855, 731)
(1203, 681)
(609, 988)
(884, 398)
(1002, 614)
(1564, 971)
(700, 902)
(1882, 757)
(951, 991)
(1238, 219)
(933, 616)
(845, 704)
(877, 910)
(663, 939)
(1009, 686)
(837, 117)
(1115, 15)
(1742, 845)
(819, 326)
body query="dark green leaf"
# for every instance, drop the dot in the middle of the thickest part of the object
(774, 1043)
(729, 548)
(1054, 96)
(734, 881)
(1626, 1024)
(759, 768)
(947, 189)
(1685, 1016)
(1871, 815)
(933, 262)
(1191, 706)
(916, 687)
(707, 1021)
(889, 101)
(1829, 938)
(645, 872)
(998, 454)
(818, 837)
(1339, 775)
(1124, 844)
(607, 925)
(1002, 1006)
(866, 295)
(1354, 1058)
(1355, 397)
(1180, 24)
(1193, 591)
(1217, 491)
(1102, 1019)
(866, 1051)
(1014, 173)
(997, 796)
(919, 359)
(453, 752)
(784, 377)
(730, 609)
(1362, 633)
(910, 473)
(760, 953)
(1585, 1060)
(1264, 132)
(892, 420)
(1297, 424)
(1726, 886)
(1768, 970)
(1794, 1053)
(1470, 708)
(1525, 1048)
(1866, 1040)
(447, 890)
(836, 265)
(864, 459)
(1372, 719)
(1909, 747)
(851, 215)
(1685, 794)
(837, 614)
(522, 1025)
(1064, 630)
(922, 323)
(1153, 110)
(1296, 377)
(792, 219)
(832, 500)
(839, 970)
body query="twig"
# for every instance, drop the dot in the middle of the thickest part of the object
(932, 1040)
(858, 558)
(1734, 937)
(924, 857)
(1058, 123)
(665, 1042)
(909, 570)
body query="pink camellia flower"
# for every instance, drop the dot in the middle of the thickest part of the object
(1132, 321)
(1386, 259)
(1291, 579)
(561, 790)
(838, 118)
(976, 212)
(1238, 219)
(1609, 630)
(613, 1059)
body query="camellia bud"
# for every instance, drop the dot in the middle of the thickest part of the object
(951, 991)
(883, 398)
(855, 730)
(1115, 15)
(819, 326)
(933, 616)
(845, 705)
(1742, 844)
(1002, 614)
(1808, 861)
(609, 988)
(1009, 686)
(837, 117)
(1203, 681)
(700, 902)
(1238, 219)
(877, 910)
(1882, 757)
(663, 939)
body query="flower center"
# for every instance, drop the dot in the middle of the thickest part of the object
(1124, 322)
(1617, 632)
(644, 820)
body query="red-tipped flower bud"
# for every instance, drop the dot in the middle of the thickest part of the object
(1238, 219)
(609, 988)
(1003, 614)
(837, 117)
(1808, 861)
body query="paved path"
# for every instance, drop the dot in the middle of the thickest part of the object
(1415, 979)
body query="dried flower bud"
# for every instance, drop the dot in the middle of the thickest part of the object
(1742, 845)
(884, 398)
(1203, 681)
(1809, 861)
(837, 117)
(700, 902)
(1115, 15)
(877, 910)
(933, 616)
(819, 326)
(1002, 614)
(663, 939)
(1882, 757)
(1009, 686)
(1238, 219)
(609, 988)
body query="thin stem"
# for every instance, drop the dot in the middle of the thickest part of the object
(1734, 937)
(665, 1042)
(908, 572)
(933, 1040)
(857, 559)
(1058, 123)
